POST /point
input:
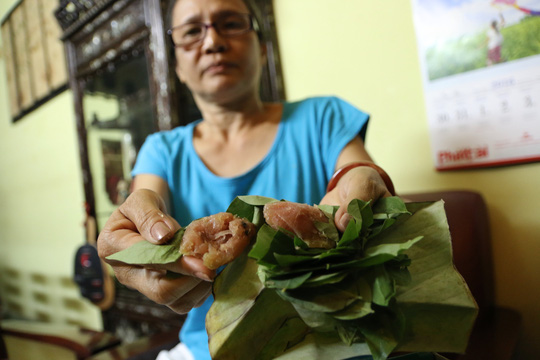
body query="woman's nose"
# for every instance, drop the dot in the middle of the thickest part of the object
(213, 41)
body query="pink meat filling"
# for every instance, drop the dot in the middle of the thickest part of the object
(217, 239)
(298, 219)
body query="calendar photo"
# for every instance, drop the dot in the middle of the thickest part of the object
(480, 62)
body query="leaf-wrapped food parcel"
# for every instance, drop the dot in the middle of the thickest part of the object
(216, 239)
(387, 285)
(301, 220)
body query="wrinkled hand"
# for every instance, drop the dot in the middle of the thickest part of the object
(362, 183)
(142, 218)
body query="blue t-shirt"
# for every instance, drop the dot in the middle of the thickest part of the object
(311, 135)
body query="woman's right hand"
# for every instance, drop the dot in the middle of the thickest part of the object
(142, 217)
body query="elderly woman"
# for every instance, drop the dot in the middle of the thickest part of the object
(241, 146)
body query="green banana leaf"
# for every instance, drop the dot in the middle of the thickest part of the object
(429, 306)
(144, 252)
(324, 346)
(250, 320)
(437, 294)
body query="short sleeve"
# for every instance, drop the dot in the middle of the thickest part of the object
(152, 158)
(339, 123)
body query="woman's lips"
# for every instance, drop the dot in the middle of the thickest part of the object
(219, 67)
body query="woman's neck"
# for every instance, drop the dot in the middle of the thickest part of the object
(231, 117)
(232, 140)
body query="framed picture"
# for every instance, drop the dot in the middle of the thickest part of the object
(111, 158)
(34, 55)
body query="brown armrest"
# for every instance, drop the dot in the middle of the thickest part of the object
(82, 342)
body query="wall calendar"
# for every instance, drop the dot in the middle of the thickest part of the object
(480, 62)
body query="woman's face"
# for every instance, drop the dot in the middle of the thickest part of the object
(219, 68)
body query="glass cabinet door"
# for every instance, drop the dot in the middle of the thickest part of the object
(118, 116)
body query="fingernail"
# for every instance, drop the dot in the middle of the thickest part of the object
(344, 221)
(202, 276)
(159, 231)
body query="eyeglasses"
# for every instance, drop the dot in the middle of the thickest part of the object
(229, 25)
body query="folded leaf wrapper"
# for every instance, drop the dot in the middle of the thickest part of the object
(146, 253)
(287, 301)
(438, 306)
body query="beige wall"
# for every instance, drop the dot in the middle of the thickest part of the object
(41, 210)
(365, 52)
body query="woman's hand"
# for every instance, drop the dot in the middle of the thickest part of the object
(362, 183)
(182, 285)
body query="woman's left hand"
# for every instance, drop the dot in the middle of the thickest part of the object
(362, 183)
